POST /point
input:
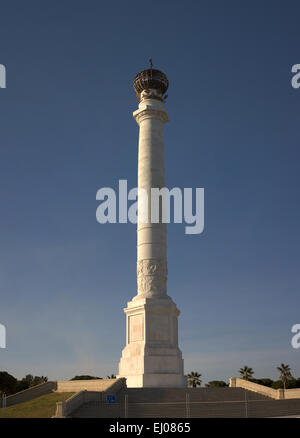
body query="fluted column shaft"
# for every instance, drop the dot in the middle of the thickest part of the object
(151, 237)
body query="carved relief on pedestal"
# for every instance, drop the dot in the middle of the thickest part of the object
(152, 276)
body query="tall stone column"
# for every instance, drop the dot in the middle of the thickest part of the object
(151, 356)
(151, 237)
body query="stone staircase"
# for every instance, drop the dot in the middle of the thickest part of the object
(203, 403)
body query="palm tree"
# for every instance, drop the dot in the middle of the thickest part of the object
(246, 372)
(112, 376)
(194, 379)
(285, 374)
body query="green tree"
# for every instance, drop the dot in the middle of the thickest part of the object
(85, 377)
(216, 384)
(290, 384)
(37, 380)
(8, 383)
(28, 381)
(246, 372)
(22, 385)
(194, 379)
(265, 381)
(285, 374)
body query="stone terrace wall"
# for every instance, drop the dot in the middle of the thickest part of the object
(292, 393)
(277, 394)
(30, 393)
(111, 386)
(81, 385)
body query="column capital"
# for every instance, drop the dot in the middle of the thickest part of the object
(150, 112)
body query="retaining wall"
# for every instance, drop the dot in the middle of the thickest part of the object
(277, 394)
(110, 386)
(81, 385)
(30, 393)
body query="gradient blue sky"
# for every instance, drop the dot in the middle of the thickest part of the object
(67, 130)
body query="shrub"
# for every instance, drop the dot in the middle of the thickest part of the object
(216, 384)
(265, 382)
(85, 377)
(8, 383)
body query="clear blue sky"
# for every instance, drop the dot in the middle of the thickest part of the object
(67, 130)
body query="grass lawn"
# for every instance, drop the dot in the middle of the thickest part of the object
(40, 407)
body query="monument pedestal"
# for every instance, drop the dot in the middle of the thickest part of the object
(151, 356)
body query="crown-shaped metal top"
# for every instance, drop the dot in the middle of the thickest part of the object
(154, 82)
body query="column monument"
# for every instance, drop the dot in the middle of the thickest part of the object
(151, 357)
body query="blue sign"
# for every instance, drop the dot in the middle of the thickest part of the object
(110, 399)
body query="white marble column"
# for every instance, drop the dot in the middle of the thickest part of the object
(151, 357)
(151, 237)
